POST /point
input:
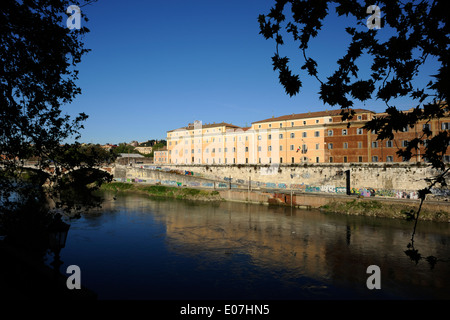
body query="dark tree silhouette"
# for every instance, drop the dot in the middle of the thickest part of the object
(411, 33)
(38, 59)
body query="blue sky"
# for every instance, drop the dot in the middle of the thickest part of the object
(159, 65)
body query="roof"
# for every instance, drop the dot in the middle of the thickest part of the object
(307, 115)
(208, 125)
(130, 155)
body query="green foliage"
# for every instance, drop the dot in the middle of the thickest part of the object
(124, 148)
(162, 191)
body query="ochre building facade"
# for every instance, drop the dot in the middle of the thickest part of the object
(313, 137)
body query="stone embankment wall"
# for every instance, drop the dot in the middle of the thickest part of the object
(390, 180)
(313, 186)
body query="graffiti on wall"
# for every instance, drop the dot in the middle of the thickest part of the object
(225, 182)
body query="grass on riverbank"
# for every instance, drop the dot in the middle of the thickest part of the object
(163, 191)
(376, 208)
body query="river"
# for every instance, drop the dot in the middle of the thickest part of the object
(141, 248)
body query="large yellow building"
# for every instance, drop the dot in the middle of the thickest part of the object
(313, 137)
(296, 138)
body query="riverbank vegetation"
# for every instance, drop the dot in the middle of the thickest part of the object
(375, 208)
(163, 191)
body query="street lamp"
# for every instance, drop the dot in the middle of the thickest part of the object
(57, 235)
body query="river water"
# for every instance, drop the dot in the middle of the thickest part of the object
(140, 248)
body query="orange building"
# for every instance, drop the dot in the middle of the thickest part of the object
(313, 137)
(160, 156)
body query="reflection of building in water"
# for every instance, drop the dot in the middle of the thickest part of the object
(297, 244)
(276, 241)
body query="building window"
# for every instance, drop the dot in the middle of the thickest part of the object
(344, 132)
(331, 159)
(281, 148)
(246, 160)
(234, 149)
(375, 144)
(360, 159)
(270, 148)
(270, 125)
(292, 124)
(226, 149)
(345, 145)
(330, 146)
(304, 122)
(359, 131)
(446, 158)
(404, 159)
(246, 149)
(304, 135)
(389, 144)
(359, 117)
(292, 147)
(317, 159)
(317, 134)
(281, 136)
(404, 143)
(445, 125)
(330, 133)
(269, 137)
(374, 158)
(292, 160)
(213, 150)
(259, 148)
(259, 137)
(292, 135)
(389, 159)
(345, 158)
(405, 129)
(317, 121)
(281, 125)
(317, 146)
(281, 160)
(359, 145)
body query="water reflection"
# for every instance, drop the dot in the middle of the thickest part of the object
(163, 249)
